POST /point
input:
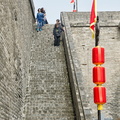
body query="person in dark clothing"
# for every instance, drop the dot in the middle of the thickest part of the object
(57, 33)
(58, 22)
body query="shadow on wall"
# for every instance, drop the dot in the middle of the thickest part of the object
(115, 101)
(119, 32)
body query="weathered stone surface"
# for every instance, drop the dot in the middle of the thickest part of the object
(81, 104)
(48, 96)
(34, 81)
(16, 30)
(81, 45)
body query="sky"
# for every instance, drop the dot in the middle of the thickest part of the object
(54, 7)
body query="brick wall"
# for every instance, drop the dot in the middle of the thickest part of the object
(16, 34)
(81, 44)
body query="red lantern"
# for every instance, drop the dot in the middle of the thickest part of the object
(99, 75)
(98, 55)
(99, 95)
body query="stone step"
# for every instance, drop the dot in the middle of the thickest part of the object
(48, 91)
(50, 118)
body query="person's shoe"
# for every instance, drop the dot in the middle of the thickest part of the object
(37, 30)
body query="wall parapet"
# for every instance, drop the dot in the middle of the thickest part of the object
(80, 24)
(79, 43)
(82, 111)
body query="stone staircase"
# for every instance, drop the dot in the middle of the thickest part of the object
(48, 92)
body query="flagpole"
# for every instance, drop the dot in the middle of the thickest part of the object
(97, 31)
(99, 114)
(95, 27)
(74, 10)
(76, 5)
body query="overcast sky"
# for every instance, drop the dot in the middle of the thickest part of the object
(54, 7)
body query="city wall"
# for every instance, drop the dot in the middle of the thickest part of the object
(16, 35)
(78, 48)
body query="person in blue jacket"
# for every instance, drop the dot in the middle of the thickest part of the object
(45, 19)
(40, 20)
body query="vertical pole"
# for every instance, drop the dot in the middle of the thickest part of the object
(76, 5)
(99, 114)
(97, 32)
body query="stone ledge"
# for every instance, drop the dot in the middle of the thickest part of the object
(82, 24)
(119, 26)
(82, 112)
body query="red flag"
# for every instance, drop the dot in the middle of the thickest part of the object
(93, 18)
(72, 1)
